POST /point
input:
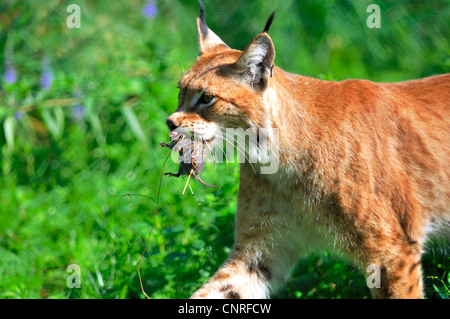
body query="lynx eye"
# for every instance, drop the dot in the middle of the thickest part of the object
(205, 98)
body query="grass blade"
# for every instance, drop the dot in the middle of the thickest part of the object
(9, 127)
(134, 124)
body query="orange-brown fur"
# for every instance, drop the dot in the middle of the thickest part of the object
(364, 169)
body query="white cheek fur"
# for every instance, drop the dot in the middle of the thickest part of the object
(205, 131)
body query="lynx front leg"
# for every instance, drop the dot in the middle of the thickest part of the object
(249, 272)
(237, 279)
(269, 240)
(266, 248)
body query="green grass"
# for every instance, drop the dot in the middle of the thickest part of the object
(70, 152)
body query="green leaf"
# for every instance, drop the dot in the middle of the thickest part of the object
(94, 120)
(54, 120)
(440, 293)
(134, 124)
(298, 294)
(9, 127)
(4, 111)
(59, 116)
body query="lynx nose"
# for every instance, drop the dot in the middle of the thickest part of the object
(171, 124)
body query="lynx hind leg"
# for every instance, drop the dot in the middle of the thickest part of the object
(397, 276)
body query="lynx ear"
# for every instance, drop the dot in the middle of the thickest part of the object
(208, 40)
(258, 60)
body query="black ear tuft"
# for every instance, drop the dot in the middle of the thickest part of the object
(203, 26)
(269, 22)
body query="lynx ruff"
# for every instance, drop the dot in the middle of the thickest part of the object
(363, 167)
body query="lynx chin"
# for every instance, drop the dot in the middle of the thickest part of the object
(362, 167)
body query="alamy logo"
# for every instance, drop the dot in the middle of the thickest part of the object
(373, 276)
(73, 280)
(74, 19)
(254, 146)
(373, 20)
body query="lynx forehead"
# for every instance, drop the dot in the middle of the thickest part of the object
(363, 166)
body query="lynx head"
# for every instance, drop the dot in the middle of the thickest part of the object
(225, 87)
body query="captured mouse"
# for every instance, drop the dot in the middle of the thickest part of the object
(192, 156)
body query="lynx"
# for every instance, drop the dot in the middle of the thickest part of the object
(363, 167)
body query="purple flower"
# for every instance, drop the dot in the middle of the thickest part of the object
(46, 79)
(149, 10)
(10, 75)
(78, 112)
(18, 115)
(47, 75)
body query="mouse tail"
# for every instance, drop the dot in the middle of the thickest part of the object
(206, 184)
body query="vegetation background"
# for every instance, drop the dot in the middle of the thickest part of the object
(82, 112)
